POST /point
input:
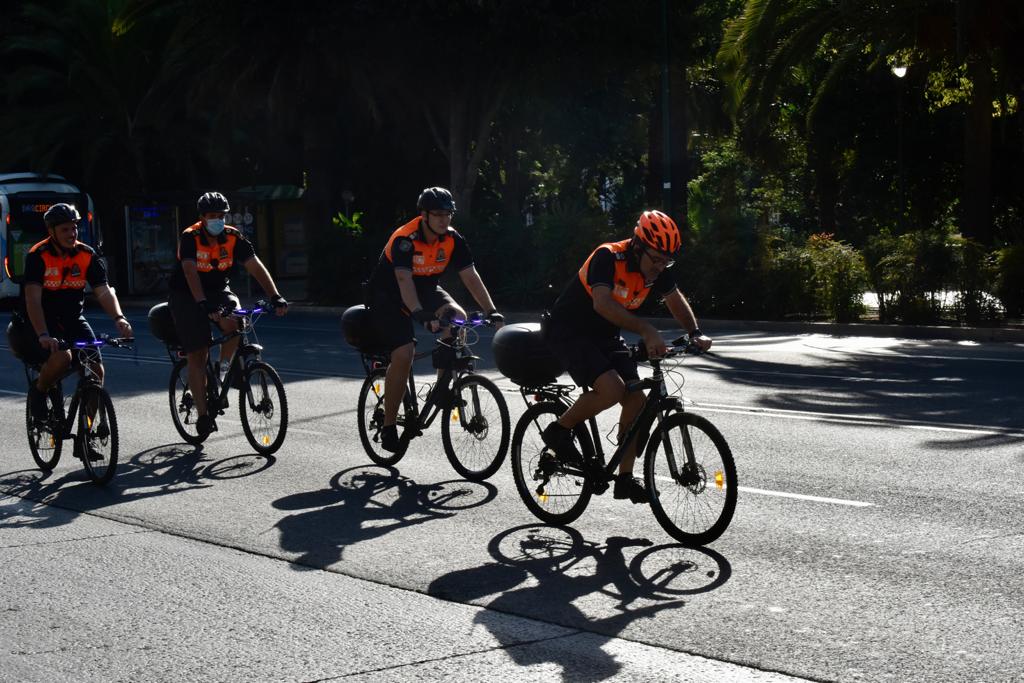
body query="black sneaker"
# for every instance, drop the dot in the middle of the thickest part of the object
(389, 438)
(37, 403)
(628, 486)
(205, 425)
(559, 439)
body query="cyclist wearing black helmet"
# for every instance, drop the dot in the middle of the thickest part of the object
(52, 301)
(208, 252)
(404, 288)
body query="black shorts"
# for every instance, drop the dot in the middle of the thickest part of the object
(587, 358)
(191, 322)
(25, 344)
(393, 326)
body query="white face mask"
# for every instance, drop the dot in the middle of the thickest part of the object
(215, 226)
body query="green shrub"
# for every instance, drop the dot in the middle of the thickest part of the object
(1009, 279)
(839, 277)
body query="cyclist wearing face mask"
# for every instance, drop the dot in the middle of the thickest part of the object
(208, 253)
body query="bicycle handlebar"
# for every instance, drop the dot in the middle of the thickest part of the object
(680, 346)
(473, 319)
(100, 341)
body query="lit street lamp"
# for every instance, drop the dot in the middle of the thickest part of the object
(899, 72)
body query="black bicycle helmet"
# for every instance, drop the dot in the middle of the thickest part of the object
(58, 214)
(435, 199)
(213, 202)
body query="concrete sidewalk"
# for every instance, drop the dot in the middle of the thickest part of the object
(91, 598)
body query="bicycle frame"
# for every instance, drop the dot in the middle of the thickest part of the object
(419, 419)
(87, 355)
(217, 389)
(657, 406)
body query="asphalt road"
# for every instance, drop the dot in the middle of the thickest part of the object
(878, 535)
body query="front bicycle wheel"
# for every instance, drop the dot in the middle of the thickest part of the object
(691, 477)
(263, 407)
(475, 427)
(96, 444)
(370, 417)
(45, 439)
(183, 405)
(554, 493)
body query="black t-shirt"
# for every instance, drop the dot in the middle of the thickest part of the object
(63, 303)
(214, 280)
(573, 313)
(404, 250)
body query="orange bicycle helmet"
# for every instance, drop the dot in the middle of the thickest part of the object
(658, 231)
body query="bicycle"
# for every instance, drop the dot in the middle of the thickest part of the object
(688, 468)
(470, 405)
(95, 443)
(262, 403)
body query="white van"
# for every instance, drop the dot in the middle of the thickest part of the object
(24, 198)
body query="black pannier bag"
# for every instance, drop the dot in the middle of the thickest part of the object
(161, 324)
(16, 337)
(358, 331)
(522, 355)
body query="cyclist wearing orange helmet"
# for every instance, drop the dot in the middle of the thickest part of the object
(586, 321)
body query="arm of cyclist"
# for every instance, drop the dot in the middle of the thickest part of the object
(107, 300)
(411, 300)
(260, 273)
(612, 311)
(471, 279)
(34, 308)
(680, 309)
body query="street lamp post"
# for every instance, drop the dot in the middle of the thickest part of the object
(899, 72)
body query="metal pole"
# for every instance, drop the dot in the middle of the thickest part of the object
(899, 156)
(666, 127)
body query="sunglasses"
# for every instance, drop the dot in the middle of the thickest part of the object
(659, 260)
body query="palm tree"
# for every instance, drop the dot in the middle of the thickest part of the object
(774, 43)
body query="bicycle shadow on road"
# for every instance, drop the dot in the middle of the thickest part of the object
(158, 471)
(554, 575)
(366, 502)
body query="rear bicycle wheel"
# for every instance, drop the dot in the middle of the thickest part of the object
(263, 407)
(183, 406)
(45, 439)
(474, 430)
(96, 442)
(370, 419)
(691, 477)
(553, 493)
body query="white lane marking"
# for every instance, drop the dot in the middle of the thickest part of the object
(852, 419)
(796, 496)
(801, 496)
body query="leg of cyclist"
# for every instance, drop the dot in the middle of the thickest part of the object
(444, 353)
(192, 325)
(52, 364)
(394, 391)
(626, 485)
(228, 324)
(197, 380)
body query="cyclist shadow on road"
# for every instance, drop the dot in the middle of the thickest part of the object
(363, 503)
(159, 471)
(554, 575)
